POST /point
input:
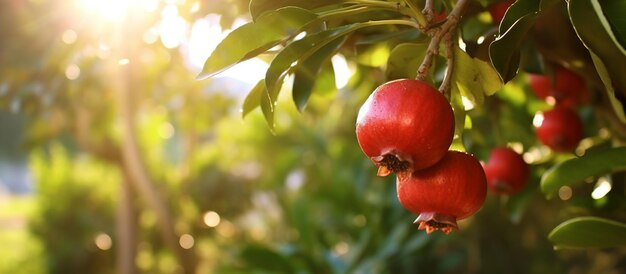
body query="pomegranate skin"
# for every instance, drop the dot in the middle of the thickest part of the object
(506, 171)
(567, 88)
(405, 125)
(561, 129)
(451, 190)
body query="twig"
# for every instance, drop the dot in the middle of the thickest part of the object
(447, 79)
(431, 52)
(429, 10)
(439, 32)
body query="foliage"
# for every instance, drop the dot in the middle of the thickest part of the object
(70, 237)
(301, 197)
(21, 251)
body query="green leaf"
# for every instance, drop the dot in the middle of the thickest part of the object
(504, 51)
(267, 107)
(322, 83)
(412, 35)
(404, 60)
(307, 71)
(459, 121)
(325, 84)
(614, 12)
(299, 50)
(586, 232)
(254, 38)
(253, 99)
(516, 11)
(608, 55)
(616, 104)
(263, 258)
(259, 7)
(474, 78)
(576, 170)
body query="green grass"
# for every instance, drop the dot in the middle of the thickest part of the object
(19, 250)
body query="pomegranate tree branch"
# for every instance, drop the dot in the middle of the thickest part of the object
(429, 10)
(447, 79)
(445, 30)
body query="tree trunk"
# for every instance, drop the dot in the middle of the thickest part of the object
(126, 229)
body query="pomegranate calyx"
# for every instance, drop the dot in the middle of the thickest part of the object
(431, 221)
(389, 163)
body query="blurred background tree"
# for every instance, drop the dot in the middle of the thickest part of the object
(137, 167)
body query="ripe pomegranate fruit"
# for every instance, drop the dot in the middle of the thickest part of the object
(560, 129)
(451, 190)
(498, 10)
(405, 125)
(566, 87)
(506, 171)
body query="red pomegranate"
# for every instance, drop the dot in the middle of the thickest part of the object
(440, 16)
(498, 10)
(506, 171)
(560, 129)
(566, 87)
(451, 190)
(405, 125)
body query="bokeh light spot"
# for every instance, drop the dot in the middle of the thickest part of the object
(69, 36)
(166, 131)
(565, 193)
(103, 241)
(211, 219)
(226, 229)
(538, 119)
(603, 186)
(186, 241)
(72, 72)
(341, 248)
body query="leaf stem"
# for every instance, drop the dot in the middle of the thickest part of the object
(351, 10)
(394, 22)
(417, 14)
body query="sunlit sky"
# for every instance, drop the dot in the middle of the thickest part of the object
(196, 40)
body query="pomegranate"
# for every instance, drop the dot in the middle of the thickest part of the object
(405, 125)
(566, 87)
(451, 190)
(440, 16)
(506, 171)
(498, 10)
(560, 129)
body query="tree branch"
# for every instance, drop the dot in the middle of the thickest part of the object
(444, 30)
(126, 83)
(429, 10)
(447, 79)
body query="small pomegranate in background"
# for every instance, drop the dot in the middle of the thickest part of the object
(451, 190)
(560, 129)
(498, 10)
(506, 171)
(566, 87)
(440, 16)
(405, 125)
